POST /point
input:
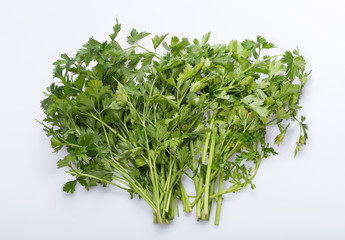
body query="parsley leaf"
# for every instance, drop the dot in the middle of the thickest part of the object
(295, 64)
(255, 104)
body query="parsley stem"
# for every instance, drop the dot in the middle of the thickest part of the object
(200, 193)
(136, 186)
(195, 178)
(106, 136)
(208, 136)
(233, 188)
(262, 61)
(203, 162)
(208, 171)
(129, 48)
(152, 161)
(120, 180)
(213, 183)
(219, 198)
(97, 178)
(184, 198)
(155, 54)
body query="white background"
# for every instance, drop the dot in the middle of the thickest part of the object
(295, 198)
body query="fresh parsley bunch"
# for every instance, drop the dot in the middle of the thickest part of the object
(140, 121)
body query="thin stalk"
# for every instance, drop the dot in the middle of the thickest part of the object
(121, 181)
(219, 198)
(208, 136)
(112, 157)
(203, 161)
(106, 136)
(167, 189)
(198, 209)
(171, 213)
(168, 202)
(97, 178)
(134, 184)
(154, 179)
(156, 54)
(131, 47)
(195, 179)
(166, 194)
(198, 200)
(184, 198)
(151, 162)
(233, 188)
(210, 202)
(208, 171)
(111, 153)
(176, 204)
(259, 54)
(199, 194)
(110, 128)
(262, 61)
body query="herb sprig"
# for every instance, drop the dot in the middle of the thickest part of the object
(139, 120)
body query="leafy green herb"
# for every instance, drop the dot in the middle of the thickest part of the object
(138, 120)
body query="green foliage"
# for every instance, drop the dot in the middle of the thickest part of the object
(140, 121)
(295, 64)
(255, 104)
(135, 36)
(157, 40)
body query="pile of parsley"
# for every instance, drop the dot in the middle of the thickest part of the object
(146, 123)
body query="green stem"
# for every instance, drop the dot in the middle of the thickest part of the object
(199, 194)
(134, 184)
(120, 180)
(151, 163)
(258, 54)
(201, 176)
(198, 209)
(156, 54)
(110, 128)
(106, 136)
(167, 205)
(210, 202)
(219, 198)
(154, 179)
(233, 188)
(208, 136)
(208, 171)
(195, 179)
(97, 178)
(184, 198)
(171, 213)
(176, 204)
(167, 191)
(262, 61)
(200, 191)
(131, 47)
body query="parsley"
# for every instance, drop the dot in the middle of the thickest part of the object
(138, 120)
